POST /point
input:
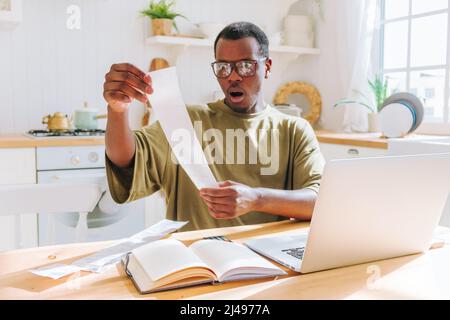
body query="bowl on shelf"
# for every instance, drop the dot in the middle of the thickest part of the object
(210, 29)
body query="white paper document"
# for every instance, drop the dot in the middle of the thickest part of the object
(170, 110)
(56, 270)
(102, 260)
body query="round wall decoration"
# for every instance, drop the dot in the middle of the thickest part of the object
(309, 91)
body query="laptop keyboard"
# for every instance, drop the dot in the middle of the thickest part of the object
(220, 238)
(295, 252)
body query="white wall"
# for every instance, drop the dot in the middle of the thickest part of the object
(47, 68)
(321, 71)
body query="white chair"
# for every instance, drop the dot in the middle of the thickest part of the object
(52, 199)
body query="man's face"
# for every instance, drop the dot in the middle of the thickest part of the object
(242, 93)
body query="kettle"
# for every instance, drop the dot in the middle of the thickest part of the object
(57, 122)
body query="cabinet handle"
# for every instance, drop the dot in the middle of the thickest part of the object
(353, 152)
(75, 160)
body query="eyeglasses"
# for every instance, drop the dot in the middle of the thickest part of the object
(244, 68)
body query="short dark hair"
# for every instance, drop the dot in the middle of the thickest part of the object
(240, 30)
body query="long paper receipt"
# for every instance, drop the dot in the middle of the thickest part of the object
(170, 110)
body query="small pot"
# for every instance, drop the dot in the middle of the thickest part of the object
(210, 29)
(87, 119)
(162, 27)
(374, 122)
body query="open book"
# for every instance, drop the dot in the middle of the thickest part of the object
(169, 264)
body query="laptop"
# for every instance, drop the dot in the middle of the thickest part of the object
(367, 210)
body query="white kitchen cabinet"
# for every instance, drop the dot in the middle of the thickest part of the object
(18, 166)
(332, 151)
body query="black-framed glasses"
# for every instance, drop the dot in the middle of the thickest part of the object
(244, 68)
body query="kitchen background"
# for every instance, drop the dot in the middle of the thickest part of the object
(47, 68)
(51, 64)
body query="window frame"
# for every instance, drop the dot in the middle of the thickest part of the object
(442, 127)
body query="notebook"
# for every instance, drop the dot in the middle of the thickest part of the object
(169, 264)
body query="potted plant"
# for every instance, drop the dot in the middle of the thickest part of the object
(379, 88)
(162, 17)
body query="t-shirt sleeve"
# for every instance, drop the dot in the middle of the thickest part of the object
(308, 160)
(146, 173)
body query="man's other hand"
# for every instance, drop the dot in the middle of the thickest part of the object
(123, 83)
(230, 199)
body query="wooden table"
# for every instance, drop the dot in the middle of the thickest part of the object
(411, 277)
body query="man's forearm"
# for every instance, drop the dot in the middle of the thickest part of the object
(298, 204)
(119, 139)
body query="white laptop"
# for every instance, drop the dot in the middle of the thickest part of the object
(367, 209)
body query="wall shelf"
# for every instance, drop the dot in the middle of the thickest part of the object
(208, 43)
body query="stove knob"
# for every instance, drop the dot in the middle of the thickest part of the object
(75, 160)
(93, 157)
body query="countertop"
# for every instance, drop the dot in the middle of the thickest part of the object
(17, 140)
(369, 140)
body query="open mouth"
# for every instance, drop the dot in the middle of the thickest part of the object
(236, 96)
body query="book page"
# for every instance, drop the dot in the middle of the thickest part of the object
(230, 259)
(164, 257)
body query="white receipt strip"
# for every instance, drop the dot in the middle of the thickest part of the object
(170, 110)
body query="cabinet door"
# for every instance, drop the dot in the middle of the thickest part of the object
(338, 151)
(17, 166)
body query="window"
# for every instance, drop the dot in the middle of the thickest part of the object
(430, 93)
(415, 54)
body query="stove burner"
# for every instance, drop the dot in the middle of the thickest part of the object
(69, 133)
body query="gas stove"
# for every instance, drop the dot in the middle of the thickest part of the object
(68, 133)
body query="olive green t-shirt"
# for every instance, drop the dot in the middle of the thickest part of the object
(281, 152)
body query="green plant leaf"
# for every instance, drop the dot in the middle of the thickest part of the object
(359, 93)
(161, 10)
(344, 101)
(379, 88)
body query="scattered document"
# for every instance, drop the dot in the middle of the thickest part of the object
(56, 270)
(102, 260)
(170, 110)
